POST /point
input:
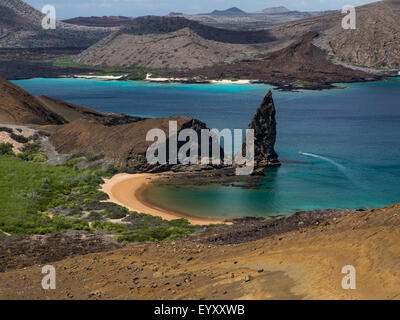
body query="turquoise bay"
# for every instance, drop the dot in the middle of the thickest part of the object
(355, 130)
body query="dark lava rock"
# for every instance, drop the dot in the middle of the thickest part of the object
(17, 253)
(264, 126)
(251, 229)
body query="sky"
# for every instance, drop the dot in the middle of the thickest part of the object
(132, 8)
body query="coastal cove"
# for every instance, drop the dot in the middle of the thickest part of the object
(353, 133)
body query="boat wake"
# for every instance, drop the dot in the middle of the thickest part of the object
(341, 168)
(338, 165)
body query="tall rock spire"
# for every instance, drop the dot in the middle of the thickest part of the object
(264, 126)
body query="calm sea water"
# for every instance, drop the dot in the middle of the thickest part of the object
(355, 132)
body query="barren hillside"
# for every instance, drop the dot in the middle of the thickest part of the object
(302, 264)
(21, 27)
(375, 43)
(182, 49)
(177, 43)
(300, 62)
(173, 43)
(17, 106)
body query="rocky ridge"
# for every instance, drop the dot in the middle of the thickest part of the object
(18, 106)
(21, 27)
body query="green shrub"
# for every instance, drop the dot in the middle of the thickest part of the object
(109, 209)
(95, 158)
(43, 133)
(6, 149)
(111, 171)
(39, 134)
(110, 227)
(19, 138)
(179, 223)
(32, 152)
(153, 234)
(96, 216)
(6, 129)
(72, 162)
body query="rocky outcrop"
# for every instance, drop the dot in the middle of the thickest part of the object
(264, 126)
(17, 253)
(123, 146)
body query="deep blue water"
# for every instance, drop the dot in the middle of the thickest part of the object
(356, 130)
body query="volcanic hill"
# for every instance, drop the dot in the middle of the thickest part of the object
(301, 63)
(315, 49)
(21, 27)
(173, 43)
(17, 106)
(375, 43)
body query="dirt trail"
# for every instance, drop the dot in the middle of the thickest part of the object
(304, 264)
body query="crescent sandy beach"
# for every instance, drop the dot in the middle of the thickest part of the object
(127, 190)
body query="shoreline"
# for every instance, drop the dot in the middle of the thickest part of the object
(125, 190)
(205, 81)
(162, 80)
(280, 86)
(103, 77)
(288, 87)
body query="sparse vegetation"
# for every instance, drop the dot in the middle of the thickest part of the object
(303, 83)
(6, 149)
(18, 138)
(38, 198)
(28, 189)
(153, 234)
(147, 228)
(32, 152)
(95, 157)
(6, 129)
